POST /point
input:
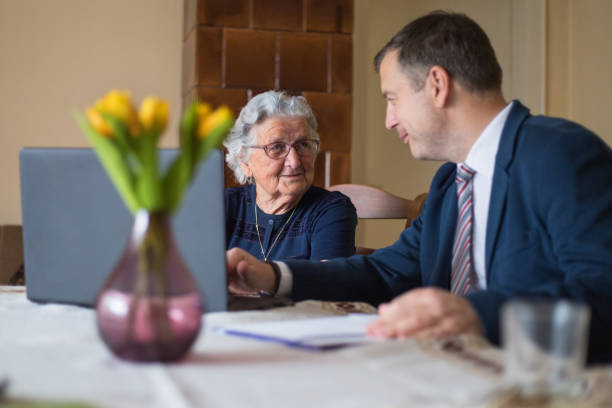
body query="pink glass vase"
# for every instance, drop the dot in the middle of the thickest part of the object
(150, 308)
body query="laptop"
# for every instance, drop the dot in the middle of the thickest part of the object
(75, 226)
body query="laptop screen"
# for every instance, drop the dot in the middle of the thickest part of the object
(75, 226)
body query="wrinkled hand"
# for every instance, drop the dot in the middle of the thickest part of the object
(247, 275)
(425, 312)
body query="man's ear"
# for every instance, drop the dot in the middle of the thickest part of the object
(438, 83)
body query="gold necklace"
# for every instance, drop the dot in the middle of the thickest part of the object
(263, 253)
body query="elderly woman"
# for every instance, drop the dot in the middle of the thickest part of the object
(278, 214)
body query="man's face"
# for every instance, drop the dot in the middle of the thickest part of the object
(410, 112)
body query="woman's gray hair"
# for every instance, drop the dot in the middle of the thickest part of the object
(258, 109)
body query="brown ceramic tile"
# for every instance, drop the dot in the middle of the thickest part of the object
(334, 113)
(342, 63)
(303, 61)
(256, 91)
(319, 176)
(208, 56)
(201, 58)
(235, 99)
(278, 14)
(229, 13)
(334, 16)
(249, 58)
(340, 168)
(293, 92)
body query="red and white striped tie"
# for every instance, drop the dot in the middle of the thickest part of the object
(462, 273)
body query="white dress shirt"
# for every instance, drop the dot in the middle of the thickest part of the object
(481, 158)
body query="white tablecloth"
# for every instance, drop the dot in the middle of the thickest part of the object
(53, 353)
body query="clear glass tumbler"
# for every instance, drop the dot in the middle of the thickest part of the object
(545, 344)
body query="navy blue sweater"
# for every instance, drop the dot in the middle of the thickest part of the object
(322, 227)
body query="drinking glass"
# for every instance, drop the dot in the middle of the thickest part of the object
(545, 344)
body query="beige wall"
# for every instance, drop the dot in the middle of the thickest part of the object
(579, 63)
(63, 54)
(555, 55)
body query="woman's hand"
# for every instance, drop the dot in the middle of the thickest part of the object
(247, 275)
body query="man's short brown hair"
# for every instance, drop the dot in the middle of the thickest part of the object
(450, 40)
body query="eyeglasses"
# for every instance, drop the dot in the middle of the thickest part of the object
(280, 150)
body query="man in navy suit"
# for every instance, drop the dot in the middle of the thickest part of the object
(523, 208)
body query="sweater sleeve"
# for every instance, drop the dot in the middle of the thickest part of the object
(376, 278)
(333, 232)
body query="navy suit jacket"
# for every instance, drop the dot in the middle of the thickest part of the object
(549, 232)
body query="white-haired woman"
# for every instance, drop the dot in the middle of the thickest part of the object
(278, 214)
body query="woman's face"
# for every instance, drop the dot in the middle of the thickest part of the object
(285, 179)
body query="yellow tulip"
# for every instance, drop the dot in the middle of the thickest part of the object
(202, 109)
(119, 105)
(97, 123)
(153, 114)
(209, 122)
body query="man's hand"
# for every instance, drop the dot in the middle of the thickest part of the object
(247, 275)
(425, 312)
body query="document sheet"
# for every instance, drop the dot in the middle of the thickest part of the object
(319, 333)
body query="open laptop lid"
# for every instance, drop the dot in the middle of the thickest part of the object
(75, 226)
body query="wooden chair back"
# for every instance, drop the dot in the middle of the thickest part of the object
(11, 255)
(374, 203)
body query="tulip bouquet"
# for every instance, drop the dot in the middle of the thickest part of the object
(150, 308)
(125, 141)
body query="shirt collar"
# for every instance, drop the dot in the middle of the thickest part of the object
(481, 156)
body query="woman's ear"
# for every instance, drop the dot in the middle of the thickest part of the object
(246, 169)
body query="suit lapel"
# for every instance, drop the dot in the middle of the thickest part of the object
(499, 188)
(448, 224)
(446, 220)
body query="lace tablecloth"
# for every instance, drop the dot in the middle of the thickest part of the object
(52, 353)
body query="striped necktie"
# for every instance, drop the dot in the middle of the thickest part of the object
(462, 274)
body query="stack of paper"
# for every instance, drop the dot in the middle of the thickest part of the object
(320, 333)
